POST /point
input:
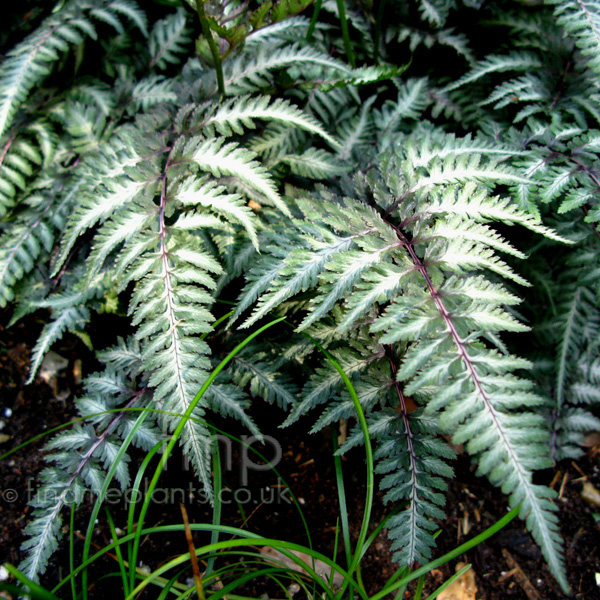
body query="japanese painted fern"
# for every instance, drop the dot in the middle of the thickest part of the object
(406, 261)
(152, 182)
(141, 191)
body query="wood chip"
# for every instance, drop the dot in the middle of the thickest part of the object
(576, 467)
(343, 431)
(521, 578)
(562, 485)
(466, 524)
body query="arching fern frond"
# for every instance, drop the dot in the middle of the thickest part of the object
(168, 40)
(35, 230)
(251, 73)
(314, 164)
(516, 61)
(260, 374)
(31, 61)
(581, 20)
(230, 159)
(81, 457)
(413, 460)
(69, 313)
(401, 253)
(412, 101)
(234, 115)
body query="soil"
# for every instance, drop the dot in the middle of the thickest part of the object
(508, 566)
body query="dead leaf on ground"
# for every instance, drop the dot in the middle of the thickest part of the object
(590, 494)
(322, 569)
(464, 588)
(51, 366)
(592, 439)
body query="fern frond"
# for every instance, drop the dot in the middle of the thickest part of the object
(276, 141)
(46, 530)
(19, 160)
(244, 74)
(412, 101)
(263, 380)
(169, 322)
(303, 266)
(374, 389)
(356, 134)
(328, 382)
(516, 61)
(169, 38)
(289, 30)
(229, 401)
(572, 324)
(259, 280)
(416, 267)
(435, 11)
(202, 192)
(561, 165)
(314, 163)
(114, 190)
(367, 75)
(125, 8)
(221, 158)
(443, 37)
(81, 457)
(69, 313)
(581, 19)
(413, 461)
(32, 60)
(151, 91)
(243, 111)
(31, 235)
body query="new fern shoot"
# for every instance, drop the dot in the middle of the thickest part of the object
(436, 231)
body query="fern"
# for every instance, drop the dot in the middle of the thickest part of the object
(32, 60)
(243, 112)
(414, 265)
(69, 313)
(248, 74)
(576, 390)
(560, 161)
(260, 374)
(581, 19)
(376, 211)
(567, 333)
(82, 455)
(149, 184)
(168, 39)
(35, 231)
(413, 459)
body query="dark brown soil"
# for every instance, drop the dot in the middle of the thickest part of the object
(509, 566)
